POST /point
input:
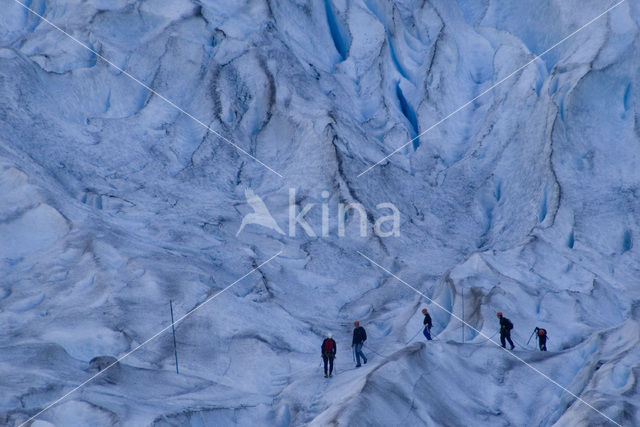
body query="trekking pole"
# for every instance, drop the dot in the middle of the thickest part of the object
(175, 348)
(462, 303)
(534, 331)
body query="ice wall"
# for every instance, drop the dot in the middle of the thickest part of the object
(113, 202)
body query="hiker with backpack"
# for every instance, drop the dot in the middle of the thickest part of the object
(542, 338)
(359, 337)
(328, 354)
(427, 324)
(505, 330)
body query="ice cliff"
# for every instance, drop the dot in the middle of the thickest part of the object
(113, 202)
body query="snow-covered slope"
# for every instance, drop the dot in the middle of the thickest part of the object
(114, 202)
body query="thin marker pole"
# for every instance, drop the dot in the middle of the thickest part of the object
(462, 315)
(175, 348)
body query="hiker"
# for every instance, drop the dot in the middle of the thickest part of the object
(542, 338)
(427, 324)
(505, 330)
(359, 337)
(328, 354)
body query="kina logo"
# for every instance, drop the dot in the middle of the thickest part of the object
(260, 215)
(387, 223)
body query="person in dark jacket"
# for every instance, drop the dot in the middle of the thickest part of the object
(542, 338)
(505, 330)
(328, 354)
(427, 324)
(359, 337)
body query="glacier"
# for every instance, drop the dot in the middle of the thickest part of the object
(114, 202)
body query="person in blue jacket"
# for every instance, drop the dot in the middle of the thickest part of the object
(427, 324)
(359, 337)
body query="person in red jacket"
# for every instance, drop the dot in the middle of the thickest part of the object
(328, 354)
(542, 338)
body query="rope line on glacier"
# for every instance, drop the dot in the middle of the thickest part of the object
(189, 313)
(147, 87)
(463, 106)
(414, 337)
(489, 339)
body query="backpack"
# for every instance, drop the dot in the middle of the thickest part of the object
(508, 324)
(328, 346)
(542, 332)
